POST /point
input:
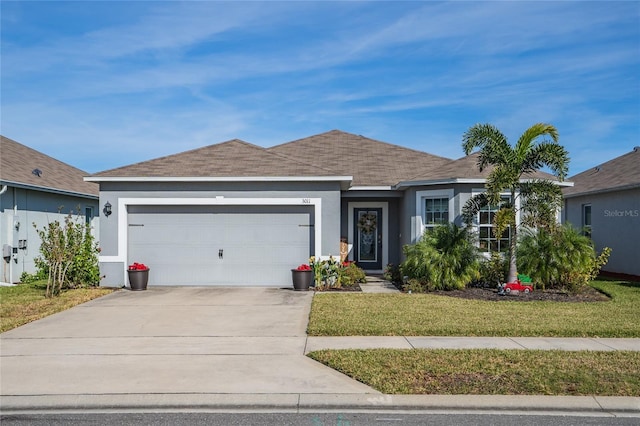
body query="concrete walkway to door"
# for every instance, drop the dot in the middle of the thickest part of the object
(176, 341)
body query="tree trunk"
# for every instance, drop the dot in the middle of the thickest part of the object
(513, 268)
(513, 271)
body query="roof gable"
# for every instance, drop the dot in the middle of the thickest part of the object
(370, 162)
(620, 173)
(234, 158)
(18, 163)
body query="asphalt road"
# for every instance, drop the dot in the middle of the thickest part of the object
(311, 419)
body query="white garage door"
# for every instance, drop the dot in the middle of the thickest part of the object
(220, 245)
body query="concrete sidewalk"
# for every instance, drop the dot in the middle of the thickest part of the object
(440, 342)
(226, 349)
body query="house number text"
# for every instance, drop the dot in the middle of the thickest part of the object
(306, 201)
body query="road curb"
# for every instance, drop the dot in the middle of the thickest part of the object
(291, 403)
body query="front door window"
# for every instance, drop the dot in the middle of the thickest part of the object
(368, 238)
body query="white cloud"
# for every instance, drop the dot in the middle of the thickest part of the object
(180, 75)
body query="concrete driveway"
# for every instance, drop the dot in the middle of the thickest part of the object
(186, 340)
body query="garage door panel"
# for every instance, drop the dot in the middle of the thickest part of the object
(220, 245)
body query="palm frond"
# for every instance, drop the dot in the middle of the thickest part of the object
(492, 144)
(473, 206)
(541, 200)
(501, 179)
(505, 218)
(548, 154)
(527, 140)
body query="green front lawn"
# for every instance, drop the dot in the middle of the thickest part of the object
(357, 314)
(489, 372)
(27, 302)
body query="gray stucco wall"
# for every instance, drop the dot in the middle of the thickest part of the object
(111, 192)
(615, 223)
(28, 207)
(461, 193)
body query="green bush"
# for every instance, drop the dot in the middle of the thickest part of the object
(351, 274)
(493, 271)
(68, 255)
(559, 258)
(443, 259)
(27, 278)
(392, 273)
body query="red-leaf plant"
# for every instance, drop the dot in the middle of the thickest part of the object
(138, 267)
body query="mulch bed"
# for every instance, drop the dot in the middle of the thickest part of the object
(588, 294)
(355, 287)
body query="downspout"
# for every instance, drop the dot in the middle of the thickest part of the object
(13, 237)
(4, 264)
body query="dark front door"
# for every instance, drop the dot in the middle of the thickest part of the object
(368, 238)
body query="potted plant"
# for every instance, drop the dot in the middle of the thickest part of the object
(138, 276)
(302, 277)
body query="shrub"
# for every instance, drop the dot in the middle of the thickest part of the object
(414, 285)
(68, 255)
(27, 278)
(493, 271)
(443, 259)
(351, 274)
(331, 273)
(560, 258)
(392, 273)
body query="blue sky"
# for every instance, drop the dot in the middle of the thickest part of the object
(104, 84)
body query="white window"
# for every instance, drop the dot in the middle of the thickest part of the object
(436, 211)
(488, 241)
(432, 208)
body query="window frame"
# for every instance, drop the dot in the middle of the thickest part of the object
(477, 225)
(421, 205)
(88, 215)
(444, 201)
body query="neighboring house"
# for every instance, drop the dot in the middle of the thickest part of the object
(605, 203)
(238, 214)
(36, 189)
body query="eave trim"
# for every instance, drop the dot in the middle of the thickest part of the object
(48, 189)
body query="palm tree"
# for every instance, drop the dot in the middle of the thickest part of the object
(540, 198)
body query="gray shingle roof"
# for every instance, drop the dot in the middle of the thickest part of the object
(370, 162)
(334, 153)
(234, 158)
(467, 168)
(620, 173)
(17, 162)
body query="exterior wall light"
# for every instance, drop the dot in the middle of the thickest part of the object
(107, 209)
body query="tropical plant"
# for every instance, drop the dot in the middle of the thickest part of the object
(326, 273)
(559, 257)
(536, 148)
(443, 259)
